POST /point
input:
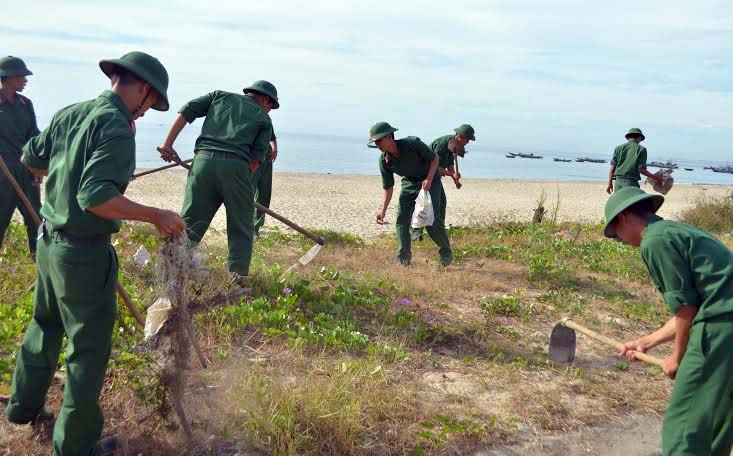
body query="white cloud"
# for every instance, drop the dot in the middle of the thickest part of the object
(526, 73)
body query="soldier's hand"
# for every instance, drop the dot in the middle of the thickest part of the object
(253, 165)
(456, 176)
(273, 155)
(670, 366)
(635, 345)
(167, 153)
(169, 223)
(426, 185)
(380, 217)
(609, 189)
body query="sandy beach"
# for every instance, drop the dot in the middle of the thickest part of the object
(349, 203)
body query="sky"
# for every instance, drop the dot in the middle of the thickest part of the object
(564, 76)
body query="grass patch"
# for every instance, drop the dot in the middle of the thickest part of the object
(714, 214)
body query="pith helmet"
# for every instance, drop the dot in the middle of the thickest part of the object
(635, 131)
(466, 131)
(624, 199)
(379, 130)
(265, 88)
(13, 66)
(147, 68)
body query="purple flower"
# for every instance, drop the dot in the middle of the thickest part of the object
(415, 329)
(405, 301)
(287, 291)
(12, 268)
(126, 234)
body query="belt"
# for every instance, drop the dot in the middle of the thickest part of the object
(96, 239)
(224, 155)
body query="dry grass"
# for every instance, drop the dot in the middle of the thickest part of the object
(714, 214)
(456, 376)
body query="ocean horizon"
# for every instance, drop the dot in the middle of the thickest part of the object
(331, 154)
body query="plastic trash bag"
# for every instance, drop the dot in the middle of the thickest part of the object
(157, 316)
(423, 215)
(666, 184)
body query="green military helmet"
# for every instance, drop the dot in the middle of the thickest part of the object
(466, 131)
(13, 66)
(265, 88)
(623, 199)
(147, 68)
(379, 130)
(635, 131)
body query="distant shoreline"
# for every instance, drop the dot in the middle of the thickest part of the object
(349, 202)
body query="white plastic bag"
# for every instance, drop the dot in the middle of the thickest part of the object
(157, 316)
(423, 215)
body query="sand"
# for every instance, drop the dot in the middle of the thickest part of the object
(349, 203)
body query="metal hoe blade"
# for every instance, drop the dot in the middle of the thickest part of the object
(310, 254)
(562, 344)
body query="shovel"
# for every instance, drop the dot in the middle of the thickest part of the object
(562, 343)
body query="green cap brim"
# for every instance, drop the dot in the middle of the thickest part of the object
(657, 201)
(247, 90)
(108, 67)
(25, 72)
(377, 137)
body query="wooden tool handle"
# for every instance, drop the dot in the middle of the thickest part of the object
(456, 181)
(34, 215)
(610, 342)
(315, 238)
(151, 171)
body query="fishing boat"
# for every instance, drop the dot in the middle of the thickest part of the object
(689, 169)
(531, 156)
(667, 165)
(723, 169)
(589, 160)
(562, 160)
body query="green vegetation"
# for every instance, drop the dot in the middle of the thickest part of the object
(711, 214)
(352, 356)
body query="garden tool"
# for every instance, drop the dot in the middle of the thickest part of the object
(120, 289)
(151, 171)
(456, 149)
(562, 343)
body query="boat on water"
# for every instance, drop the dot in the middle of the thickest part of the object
(689, 169)
(667, 165)
(589, 160)
(562, 160)
(722, 169)
(521, 155)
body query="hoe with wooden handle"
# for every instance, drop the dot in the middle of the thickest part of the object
(120, 289)
(562, 343)
(305, 259)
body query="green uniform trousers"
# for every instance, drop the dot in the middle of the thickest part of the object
(699, 417)
(211, 182)
(75, 295)
(9, 201)
(262, 182)
(408, 194)
(416, 233)
(621, 182)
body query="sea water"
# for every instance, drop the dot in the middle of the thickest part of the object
(313, 153)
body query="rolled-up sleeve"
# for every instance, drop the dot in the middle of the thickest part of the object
(198, 107)
(107, 171)
(642, 158)
(671, 273)
(261, 142)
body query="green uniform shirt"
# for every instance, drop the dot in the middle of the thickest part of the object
(440, 147)
(89, 151)
(628, 158)
(17, 126)
(234, 123)
(413, 162)
(689, 267)
(269, 147)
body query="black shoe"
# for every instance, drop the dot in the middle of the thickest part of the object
(446, 261)
(43, 417)
(404, 261)
(108, 445)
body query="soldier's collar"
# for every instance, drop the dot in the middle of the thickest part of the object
(117, 101)
(18, 99)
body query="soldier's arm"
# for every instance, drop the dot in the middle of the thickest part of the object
(167, 152)
(609, 189)
(33, 131)
(108, 169)
(388, 186)
(37, 152)
(385, 204)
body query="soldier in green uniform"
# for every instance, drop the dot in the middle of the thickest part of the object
(694, 273)
(231, 147)
(263, 182)
(88, 153)
(417, 164)
(628, 163)
(17, 126)
(446, 158)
